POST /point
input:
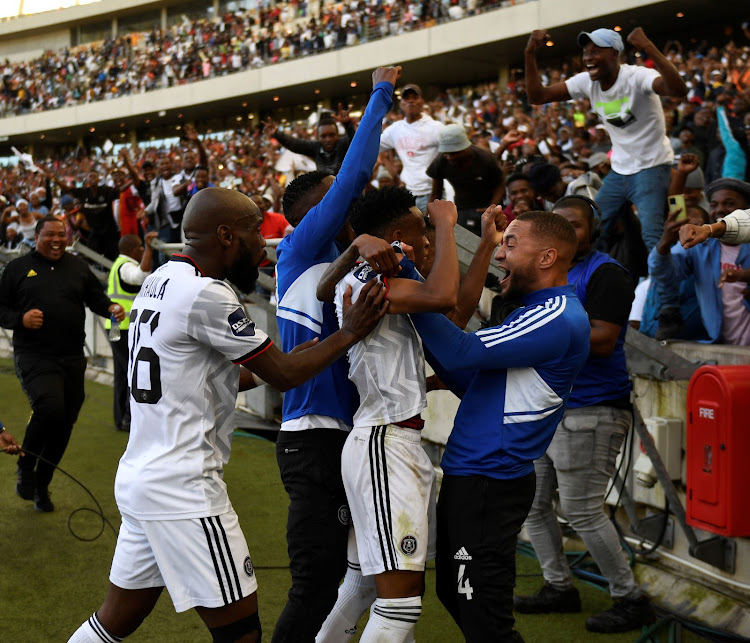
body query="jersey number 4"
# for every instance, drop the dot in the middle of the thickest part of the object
(464, 586)
(145, 383)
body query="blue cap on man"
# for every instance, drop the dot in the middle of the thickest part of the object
(602, 38)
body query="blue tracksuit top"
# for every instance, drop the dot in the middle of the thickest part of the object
(304, 256)
(513, 380)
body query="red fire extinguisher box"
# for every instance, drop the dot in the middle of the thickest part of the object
(718, 450)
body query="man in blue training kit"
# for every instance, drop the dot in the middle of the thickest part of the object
(318, 416)
(514, 381)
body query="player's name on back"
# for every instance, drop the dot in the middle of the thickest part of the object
(154, 286)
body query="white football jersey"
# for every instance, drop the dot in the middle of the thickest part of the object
(188, 333)
(387, 366)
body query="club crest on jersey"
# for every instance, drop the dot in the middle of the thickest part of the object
(241, 326)
(248, 565)
(408, 545)
(364, 273)
(344, 514)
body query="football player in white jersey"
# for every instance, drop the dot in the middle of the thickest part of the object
(190, 334)
(390, 481)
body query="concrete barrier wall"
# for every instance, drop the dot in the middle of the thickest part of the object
(23, 48)
(669, 400)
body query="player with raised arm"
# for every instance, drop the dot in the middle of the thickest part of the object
(514, 381)
(189, 334)
(318, 415)
(383, 460)
(389, 480)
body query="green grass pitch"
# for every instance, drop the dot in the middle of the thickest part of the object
(50, 581)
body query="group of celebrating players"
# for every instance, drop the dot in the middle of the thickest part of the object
(362, 490)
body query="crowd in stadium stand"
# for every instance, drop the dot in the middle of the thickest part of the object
(543, 151)
(201, 48)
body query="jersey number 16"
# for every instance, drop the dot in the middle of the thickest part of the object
(145, 382)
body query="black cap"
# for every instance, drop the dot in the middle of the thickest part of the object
(726, 183)
(411, 88)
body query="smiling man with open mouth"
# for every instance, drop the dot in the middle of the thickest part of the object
(627, 100)
(43, 296)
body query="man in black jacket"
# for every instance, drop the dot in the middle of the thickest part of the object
(328, 151)
(42, 299)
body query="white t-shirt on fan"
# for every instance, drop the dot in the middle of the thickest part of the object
(416, 145)
(632, 113)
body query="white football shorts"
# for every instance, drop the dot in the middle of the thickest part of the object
(201, 561)
(391, 489)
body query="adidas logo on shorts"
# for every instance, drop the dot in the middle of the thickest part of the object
(462, 554)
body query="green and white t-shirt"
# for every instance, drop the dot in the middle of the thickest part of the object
(631, 111)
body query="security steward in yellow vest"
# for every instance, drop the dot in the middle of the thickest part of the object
(126, 276)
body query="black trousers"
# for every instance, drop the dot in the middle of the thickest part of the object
(317, 528)
(121, 407)
(54, 386)
(478, 520)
